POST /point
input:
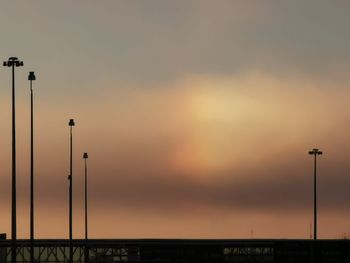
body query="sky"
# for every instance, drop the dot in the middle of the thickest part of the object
(197, 116)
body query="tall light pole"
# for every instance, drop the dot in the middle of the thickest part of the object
(13, 62)
(31, 77)
(315, 152)
(85, 157)
(70, 178)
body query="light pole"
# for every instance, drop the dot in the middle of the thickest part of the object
(70, 178)
(85, 157)
(315, 152)
(31, 77)
(13, 62)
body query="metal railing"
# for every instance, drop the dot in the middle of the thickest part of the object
(172, 250)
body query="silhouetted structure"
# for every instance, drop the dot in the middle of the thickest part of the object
(31, 77)
(13, 62)
(70, 177)
(315, 152)
(3, 250)
(85, 157)
(185, 251)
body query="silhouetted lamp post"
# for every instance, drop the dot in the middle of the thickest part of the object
(315, 152)
(70, 177)
(85, 157)
(31, 77)
(13, 62)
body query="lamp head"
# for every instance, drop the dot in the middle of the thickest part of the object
(31, 76)
(315, 151)
(71, 122)
(13, 61)
(85, 156)
(7, 63)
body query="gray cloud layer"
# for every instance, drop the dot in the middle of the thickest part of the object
(153, 42)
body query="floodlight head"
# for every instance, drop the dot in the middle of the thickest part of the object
(31, 76)
(71, 122)
(18, 63)
(85, 156)
(8, 63)
(13, 61)
(315, 151)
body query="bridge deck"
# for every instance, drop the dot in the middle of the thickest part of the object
(180, 250)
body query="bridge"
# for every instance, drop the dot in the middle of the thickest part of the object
(180, 250)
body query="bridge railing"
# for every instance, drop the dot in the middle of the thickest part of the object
(167, 250)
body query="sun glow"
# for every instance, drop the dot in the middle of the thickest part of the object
(228, 116)
(216, 110)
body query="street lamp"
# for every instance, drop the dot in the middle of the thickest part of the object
(13, 62)
(70, 178)
(85, 157)
(315, 152)
(31, 77)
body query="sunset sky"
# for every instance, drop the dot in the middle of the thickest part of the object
(197, 116)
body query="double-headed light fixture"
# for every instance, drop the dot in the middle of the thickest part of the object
(315, 152)
(13, 61)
